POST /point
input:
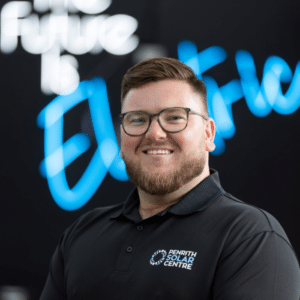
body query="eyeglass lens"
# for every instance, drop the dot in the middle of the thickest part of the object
(173, 119)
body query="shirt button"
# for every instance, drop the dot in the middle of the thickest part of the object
(129, 249)
(140, 227)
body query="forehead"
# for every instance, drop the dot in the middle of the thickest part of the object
(156, 96)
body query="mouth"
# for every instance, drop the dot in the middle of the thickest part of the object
(165, 152)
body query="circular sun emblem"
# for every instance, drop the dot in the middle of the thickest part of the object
(155, 263)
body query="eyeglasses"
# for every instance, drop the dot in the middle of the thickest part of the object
(172, 119)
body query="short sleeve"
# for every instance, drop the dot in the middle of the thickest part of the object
(262, 267)
(54, 287)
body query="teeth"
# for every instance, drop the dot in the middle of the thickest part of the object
(158, 152)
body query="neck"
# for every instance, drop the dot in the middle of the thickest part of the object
(152, 204)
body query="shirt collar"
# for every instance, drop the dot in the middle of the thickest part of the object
(198, 198)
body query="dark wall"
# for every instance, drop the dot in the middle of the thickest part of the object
(260, 163)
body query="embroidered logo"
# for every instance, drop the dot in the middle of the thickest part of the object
(174, 258)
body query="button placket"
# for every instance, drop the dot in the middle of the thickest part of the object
(129, 248)
(140, 227)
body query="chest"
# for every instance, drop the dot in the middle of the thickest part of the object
(154, 261)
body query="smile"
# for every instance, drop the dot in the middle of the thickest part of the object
(158, 152)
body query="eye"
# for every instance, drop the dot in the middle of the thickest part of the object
(137, 120)
(175, 118)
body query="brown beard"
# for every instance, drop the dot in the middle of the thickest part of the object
(161, 184)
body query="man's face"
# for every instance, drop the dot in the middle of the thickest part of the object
(165, 173)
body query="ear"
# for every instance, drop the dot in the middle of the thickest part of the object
(210, 131)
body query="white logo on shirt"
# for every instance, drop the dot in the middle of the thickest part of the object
(175, 258)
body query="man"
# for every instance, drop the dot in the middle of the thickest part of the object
(178, 235)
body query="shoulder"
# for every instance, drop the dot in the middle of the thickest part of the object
(99, 212)
(90, 221)
(244, 220)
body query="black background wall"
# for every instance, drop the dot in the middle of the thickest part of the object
(260, 163)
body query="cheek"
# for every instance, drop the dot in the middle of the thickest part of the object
(191, 142)
(129, 144)
(186, 139)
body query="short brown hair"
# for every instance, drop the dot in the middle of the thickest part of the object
(158, 69)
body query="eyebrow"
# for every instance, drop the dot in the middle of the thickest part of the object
(148, 111)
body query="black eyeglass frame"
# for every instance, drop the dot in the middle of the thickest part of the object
(187, 109)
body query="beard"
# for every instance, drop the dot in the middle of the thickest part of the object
(163, 183)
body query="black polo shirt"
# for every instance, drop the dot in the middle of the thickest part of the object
(209, 245)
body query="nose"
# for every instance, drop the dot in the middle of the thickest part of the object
(155, 131)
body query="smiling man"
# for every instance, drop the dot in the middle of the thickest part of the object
(178, 235)
(166, 155)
